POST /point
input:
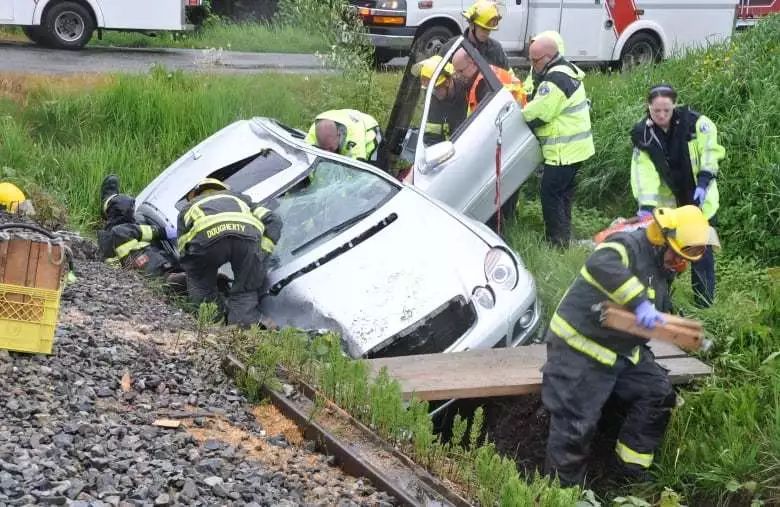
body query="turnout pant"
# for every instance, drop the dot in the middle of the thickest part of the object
(575, 389)
(246, 261)
(557, 193)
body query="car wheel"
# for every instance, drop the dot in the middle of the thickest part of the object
(68, 25)
(382, 56)
(430, 41)
(35, 34)
(641, 49)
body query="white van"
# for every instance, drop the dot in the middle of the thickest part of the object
(69, 24)
(630, 31)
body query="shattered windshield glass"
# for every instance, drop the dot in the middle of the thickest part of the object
(330, 199)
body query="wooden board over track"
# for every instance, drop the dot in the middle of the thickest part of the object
(503, 372)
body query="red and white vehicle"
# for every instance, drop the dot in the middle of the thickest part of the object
(750, 11)
(69, 24)
(627, 31)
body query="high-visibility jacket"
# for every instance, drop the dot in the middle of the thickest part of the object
(626, 269)
(559, 114)
(360, 133)
(649, 186)
(510, 82)
(215, 215)
(134, 246)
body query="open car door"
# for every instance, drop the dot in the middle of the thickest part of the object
(461, 171)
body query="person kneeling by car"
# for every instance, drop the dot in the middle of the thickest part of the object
(587, 363)
(218, 226)
(126, 242)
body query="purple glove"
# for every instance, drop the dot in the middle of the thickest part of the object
(647, 316)
(643, 213)
(170, 231)
(699, 195)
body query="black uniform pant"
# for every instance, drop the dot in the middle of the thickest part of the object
(246, 261)
(557, 192)
(575, 389)
(703, 279)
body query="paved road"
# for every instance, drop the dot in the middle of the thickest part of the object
(24, 57)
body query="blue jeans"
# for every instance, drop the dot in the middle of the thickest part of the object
(703, 279)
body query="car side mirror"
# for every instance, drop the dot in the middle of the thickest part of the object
(437, 154)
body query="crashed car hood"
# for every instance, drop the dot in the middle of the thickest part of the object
(379, 288)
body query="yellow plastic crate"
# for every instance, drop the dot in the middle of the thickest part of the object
(28, 318)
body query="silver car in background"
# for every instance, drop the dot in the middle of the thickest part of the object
(390, 269)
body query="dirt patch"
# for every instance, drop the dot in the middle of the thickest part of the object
(275, 423)
(18, 87)
(166, 340)
(220, 429)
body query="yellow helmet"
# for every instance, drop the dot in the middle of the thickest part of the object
(685, 229)
(206, 184)
(11, 197)
(555, 36)
(483, 13)
(425, 69)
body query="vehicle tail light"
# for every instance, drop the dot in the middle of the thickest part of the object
(194, 3)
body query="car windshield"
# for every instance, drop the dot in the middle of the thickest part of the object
(330, 199)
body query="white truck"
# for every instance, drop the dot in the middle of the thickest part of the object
(69, 24)
(609, 31)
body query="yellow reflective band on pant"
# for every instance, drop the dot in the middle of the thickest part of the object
(622, 294)
(108, 200)
(147, 234)
(228, 218)
(618, 247)
(629, 455)
(267, 245)
(575, 340)
(125, 248)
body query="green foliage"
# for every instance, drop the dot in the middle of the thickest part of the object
(737, 85)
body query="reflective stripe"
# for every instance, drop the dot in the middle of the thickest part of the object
(565, 139)
(224, 217)
(147, 233)
(437, 128)
(125, 248)
(619, 247)
(195, 212)
(635, 355)
(260, 212)
(267, 245)
(575, 340)
(576, 108)
(629, 455)
(108, 199)
(622, 294)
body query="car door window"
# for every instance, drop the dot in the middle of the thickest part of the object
(328, 200)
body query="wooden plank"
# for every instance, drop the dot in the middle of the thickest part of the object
(48, 274)
(32, 263)
(670, 319)
(16, 268)
(498, 372)
(3, 259)
(663, 349)
(623, 320)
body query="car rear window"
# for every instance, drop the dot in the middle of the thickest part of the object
(249, 172)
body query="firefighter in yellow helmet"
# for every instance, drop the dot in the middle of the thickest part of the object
(483, 18)
(218, 226)
(11, 198)
(587, 363)
(528, 84)
(448, 107)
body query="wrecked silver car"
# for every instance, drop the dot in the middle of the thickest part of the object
(391, 270)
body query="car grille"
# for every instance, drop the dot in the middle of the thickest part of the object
(432, 334)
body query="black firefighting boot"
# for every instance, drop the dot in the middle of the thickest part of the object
(109, 187)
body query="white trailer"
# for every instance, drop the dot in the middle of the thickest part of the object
(69, 24)
(593, 30)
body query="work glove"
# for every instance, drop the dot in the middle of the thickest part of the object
(647, 316)
(170, 231)
(699, 195)
(643, 213)
(702, 184)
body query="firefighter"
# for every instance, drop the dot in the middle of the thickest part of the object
(675, 162)
(587, 363)
(528, 84)
(466, 70)
(129, 242)
(558, 111)
(448, 107)
(347, 132)
(483, 18)
(216, 227)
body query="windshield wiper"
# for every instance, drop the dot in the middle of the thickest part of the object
(335, 229)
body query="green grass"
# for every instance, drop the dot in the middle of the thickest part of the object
(253, 37)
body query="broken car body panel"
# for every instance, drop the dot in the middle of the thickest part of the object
(390, 269)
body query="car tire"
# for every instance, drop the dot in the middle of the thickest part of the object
(383, 55)
(68, 25)
(35, 34)
(640, 49)
(430, 41)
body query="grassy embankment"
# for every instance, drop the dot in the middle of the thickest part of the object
(723, 445)
(256, 37)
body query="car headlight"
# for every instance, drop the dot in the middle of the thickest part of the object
(485, 297)
(500, 269)
(391, 4)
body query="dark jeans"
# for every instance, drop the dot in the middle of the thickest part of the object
(557, 192)
(703, 279)
(246, 261)
(575, 389)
